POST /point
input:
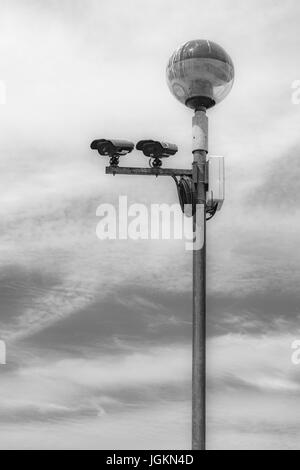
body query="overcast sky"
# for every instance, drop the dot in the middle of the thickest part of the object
(99, 332)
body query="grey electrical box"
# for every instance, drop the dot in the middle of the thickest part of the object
(216, 181)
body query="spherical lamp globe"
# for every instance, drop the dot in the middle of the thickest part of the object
(200, 73)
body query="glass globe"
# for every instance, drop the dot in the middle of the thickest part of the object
(200, 74)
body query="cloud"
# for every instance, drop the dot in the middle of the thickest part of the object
(279, 191)
(137, 428)
(129, 315)
(87, 335)
(247, 378)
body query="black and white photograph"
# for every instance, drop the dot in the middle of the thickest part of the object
(150, 227)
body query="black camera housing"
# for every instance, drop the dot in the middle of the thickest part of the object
(112, 147)
(156, 149)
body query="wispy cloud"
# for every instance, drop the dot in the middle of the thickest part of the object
(249, 375)
(88, 338)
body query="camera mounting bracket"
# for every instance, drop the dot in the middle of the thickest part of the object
(186, 185)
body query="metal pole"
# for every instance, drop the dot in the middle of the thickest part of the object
(200, 131)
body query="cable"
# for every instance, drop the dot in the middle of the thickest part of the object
(185, 189)
(212, 211)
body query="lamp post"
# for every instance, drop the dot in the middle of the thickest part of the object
(199, 74)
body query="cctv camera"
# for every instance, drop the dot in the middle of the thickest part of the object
(112, 147)
(155, 149)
